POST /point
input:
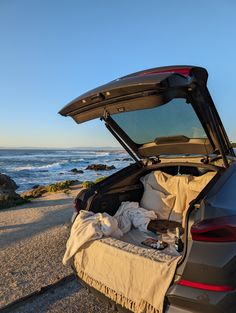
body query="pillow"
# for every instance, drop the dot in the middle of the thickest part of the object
(157, 201)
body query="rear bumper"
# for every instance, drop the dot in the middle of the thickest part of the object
(192, 300)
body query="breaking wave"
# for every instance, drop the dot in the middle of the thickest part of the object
(42, 167)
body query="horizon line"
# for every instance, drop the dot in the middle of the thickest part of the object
(63, 148)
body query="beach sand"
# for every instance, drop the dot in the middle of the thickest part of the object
(32, 242)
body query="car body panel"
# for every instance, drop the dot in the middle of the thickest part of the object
(148, 90)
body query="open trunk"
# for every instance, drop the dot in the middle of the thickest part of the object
(166, 120)
(122, 269)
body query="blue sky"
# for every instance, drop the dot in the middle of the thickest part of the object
(54, 50)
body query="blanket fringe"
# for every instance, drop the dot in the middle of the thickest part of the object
(142, 307)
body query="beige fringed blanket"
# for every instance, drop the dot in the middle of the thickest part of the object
(135, 277)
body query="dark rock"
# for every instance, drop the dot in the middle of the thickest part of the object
(34, 193)
(8, 196)
(76, 171)
(7, 184)
(100, 167)
(124, 159)
(35, 186)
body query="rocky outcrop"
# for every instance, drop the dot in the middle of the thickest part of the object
(34, 192)
(100, 167)
(127, 159)
(40, 190)
(8, 195)
(35, 186)
(124, 159)
(76, 171)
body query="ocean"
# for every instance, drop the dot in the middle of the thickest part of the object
(42, 167)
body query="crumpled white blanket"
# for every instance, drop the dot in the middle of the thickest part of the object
(130, 213)
(90, 226)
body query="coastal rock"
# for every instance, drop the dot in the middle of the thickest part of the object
(34, 192)
(76, 171)
(40, 190)
(8, 196)
(100, 167)
(35, 186)
(61, 186)
(127, 159)
(7, 184)
(124, 159)
(87, 184)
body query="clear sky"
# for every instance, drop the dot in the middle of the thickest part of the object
(51, 51)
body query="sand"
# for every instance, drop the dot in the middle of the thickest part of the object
(32, 242)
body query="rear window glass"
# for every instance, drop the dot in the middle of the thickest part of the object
(175, 118)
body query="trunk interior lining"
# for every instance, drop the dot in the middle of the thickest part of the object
(109, 199)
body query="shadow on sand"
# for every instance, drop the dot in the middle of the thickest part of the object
(45, 220)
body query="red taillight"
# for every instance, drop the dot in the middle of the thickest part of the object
(222, 288)
(221, 229)
(183, 71)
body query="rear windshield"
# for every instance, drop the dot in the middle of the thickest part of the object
(175, 118)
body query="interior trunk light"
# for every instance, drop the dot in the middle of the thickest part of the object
(219, 288)
(221, 229)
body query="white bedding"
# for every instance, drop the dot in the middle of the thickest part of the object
(90, 226)
(169, 196)
(132, 275)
